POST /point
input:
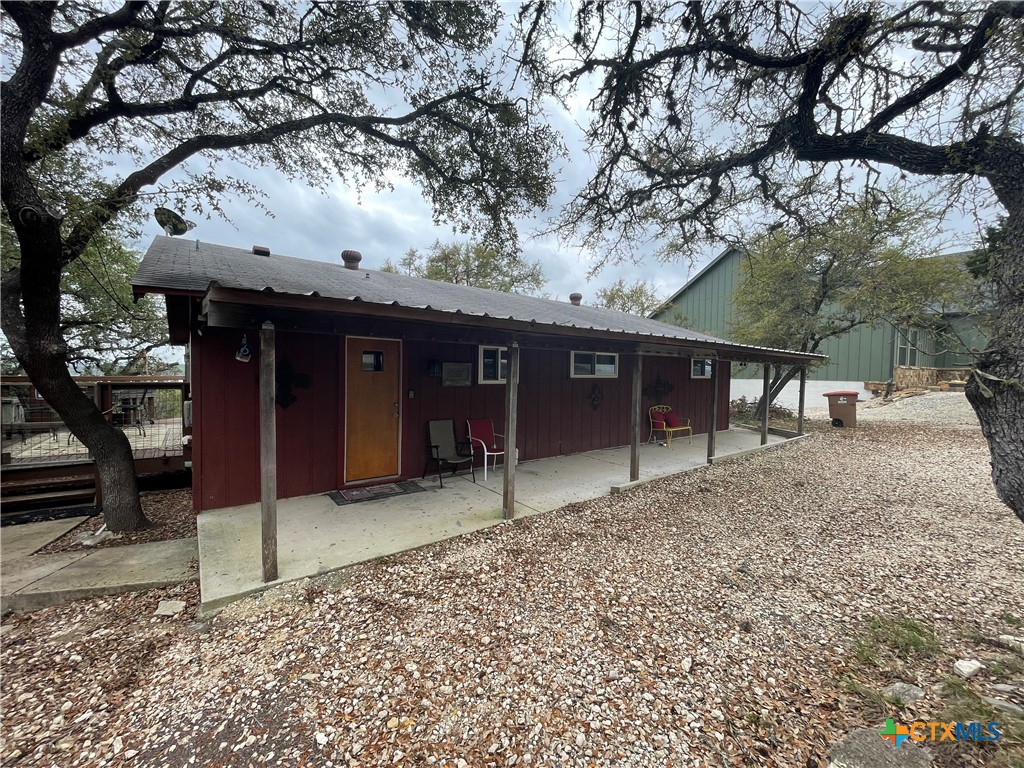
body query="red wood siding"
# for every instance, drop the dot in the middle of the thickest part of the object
(226, 420)
(689, 397)
(555, 412)
(307, 431)
(432, 401)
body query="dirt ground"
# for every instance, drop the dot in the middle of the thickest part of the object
(746, 614)
(170, 513)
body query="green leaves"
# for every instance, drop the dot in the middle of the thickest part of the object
(106, 332)
(709, 117)
(472, 264)
(864, 266)
(637, 298)
(356, 91)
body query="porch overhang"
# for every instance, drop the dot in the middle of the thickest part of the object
(235, 308)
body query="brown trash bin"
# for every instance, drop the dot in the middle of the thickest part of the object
(842, 407)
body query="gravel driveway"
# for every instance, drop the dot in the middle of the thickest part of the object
(940, 409)
(709, 619)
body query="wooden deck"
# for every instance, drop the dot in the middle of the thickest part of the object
(148, 441)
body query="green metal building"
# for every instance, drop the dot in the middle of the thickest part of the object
(863, 354)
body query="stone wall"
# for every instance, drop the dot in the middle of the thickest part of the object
(906, 377)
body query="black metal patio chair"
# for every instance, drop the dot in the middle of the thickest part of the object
(445, 451)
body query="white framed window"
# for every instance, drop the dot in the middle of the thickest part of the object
(492, 365)
(593, 365)
(908, 348)
(700, 368)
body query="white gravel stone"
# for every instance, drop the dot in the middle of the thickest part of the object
(968, 668)
(776, 551)
(1004, 706)
(949, 409)
(1017, 643)
(169, 608)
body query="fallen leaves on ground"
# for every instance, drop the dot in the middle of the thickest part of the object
(707, 619)
(170, 512)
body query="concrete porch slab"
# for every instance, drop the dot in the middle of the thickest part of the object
(316, 536)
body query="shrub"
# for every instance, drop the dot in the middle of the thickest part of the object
(742, 408)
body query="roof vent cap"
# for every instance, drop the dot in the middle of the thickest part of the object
(260, 250)
(575, 299)
(351, 259)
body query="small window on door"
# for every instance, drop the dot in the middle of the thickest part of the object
(373, 361)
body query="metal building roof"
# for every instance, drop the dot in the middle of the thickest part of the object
(176, 265)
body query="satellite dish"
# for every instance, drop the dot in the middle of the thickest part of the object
(172, 223)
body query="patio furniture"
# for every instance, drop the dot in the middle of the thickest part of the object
(444, 450)
(33, 418)
(663, 419)
(26, 428)
(125, 417)
(482, 436)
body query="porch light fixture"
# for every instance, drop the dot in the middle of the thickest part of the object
(243, 354)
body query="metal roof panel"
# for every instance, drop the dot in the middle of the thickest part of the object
(180, 265)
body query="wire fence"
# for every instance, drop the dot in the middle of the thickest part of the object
(32, 432)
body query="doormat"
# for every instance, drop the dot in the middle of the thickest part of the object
(355, 495)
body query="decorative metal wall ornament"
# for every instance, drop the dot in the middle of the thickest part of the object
(596, 396)
(286, 378)
(659, 389)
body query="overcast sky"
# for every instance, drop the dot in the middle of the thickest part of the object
(311, 225)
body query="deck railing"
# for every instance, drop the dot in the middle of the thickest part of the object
(147, 409)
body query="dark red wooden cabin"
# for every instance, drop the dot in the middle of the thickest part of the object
(365, 359)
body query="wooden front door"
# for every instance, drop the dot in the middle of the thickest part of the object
(373, 377)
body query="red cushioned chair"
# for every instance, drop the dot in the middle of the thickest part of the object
(663, 419)
(482, 437)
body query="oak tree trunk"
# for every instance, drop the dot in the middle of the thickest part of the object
(778, 383)
(31, 321)
(31, 292)
(996, 388)
(108, 445)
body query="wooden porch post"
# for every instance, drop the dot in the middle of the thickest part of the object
(508, 491)
(634, 446)
(803, 392)
(714, 410)
(268, 453)
(764, 401)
